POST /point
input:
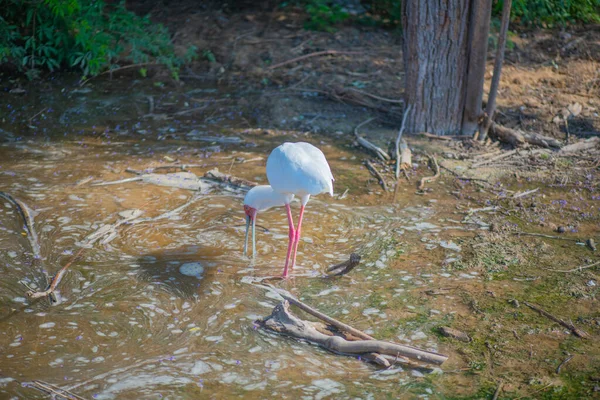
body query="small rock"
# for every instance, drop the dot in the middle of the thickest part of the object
(515, 303)
(561, 229)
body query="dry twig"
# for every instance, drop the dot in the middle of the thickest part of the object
(377, 174)
(315, 54)
(436, 170)
(569, 325)
(383, 155)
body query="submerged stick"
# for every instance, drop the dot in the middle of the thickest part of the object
(55, 281)
(569, 325)
(28, 223)
(283, 321)
(344, 267)
(53, 390)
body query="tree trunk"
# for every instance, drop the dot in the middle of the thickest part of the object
(445, 44)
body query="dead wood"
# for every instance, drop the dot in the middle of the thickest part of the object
(526, 193)
(491, 103)
(55, 281)
(379, 152)
(28, 223)
(403, 155)
(344, 267)
(578, 269)
(518, 138)
(283, 321)
(498, 391)
(376, 174)
(494, 158)
(569, 325)
(315, 54)
(454, 334)
(546, 236)
(54, 391)
(564, 362)
(216, 175)
(436, 170)
(590, 143)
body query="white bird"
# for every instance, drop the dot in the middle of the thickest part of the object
(259, 199)
(298, 169)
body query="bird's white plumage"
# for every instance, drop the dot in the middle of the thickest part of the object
(300, 169)
(264, 197)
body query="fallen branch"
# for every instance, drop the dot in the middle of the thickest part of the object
(498, 391)
(315, 54)
(546, 236)
(581, 146)
(55, 281)
(494, 158)
(215, 175)
(526, 193)
(377, 174)
(569, 325)
(401, 160)
(399, 101)
(517, 138)
(379, 152)
(436, 170)
(28, 224)
(52, 390)
(344, 267)
(564, 362)
(578, 269)
(283, 321)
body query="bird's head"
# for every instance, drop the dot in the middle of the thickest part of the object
(250, 212)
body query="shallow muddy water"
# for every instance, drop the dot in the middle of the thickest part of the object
(131, 325)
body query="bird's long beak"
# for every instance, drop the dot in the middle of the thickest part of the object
(246, 239)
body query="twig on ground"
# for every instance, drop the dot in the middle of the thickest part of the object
(215, 174)
(462, 178)
(436, 170)
(546, 236)
(578, 269)
(498, 391)
(377, 174)
(36, 114)
(569, 325)
(399, 101)
(111, 71)
(564, 363)
(383, 155)
(344, 267)
(315, 54)
(494, 158)
(526, 193)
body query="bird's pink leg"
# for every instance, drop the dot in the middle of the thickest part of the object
(292, 236)
(297, 238)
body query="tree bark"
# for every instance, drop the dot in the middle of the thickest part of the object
(444, 48)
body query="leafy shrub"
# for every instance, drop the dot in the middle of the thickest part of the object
(552, 12)
(323, 15)
(88, 35)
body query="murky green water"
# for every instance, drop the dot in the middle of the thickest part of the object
(129, 324)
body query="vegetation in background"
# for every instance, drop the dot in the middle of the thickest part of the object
(324, 14)
(550, 13)
(88, 35)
